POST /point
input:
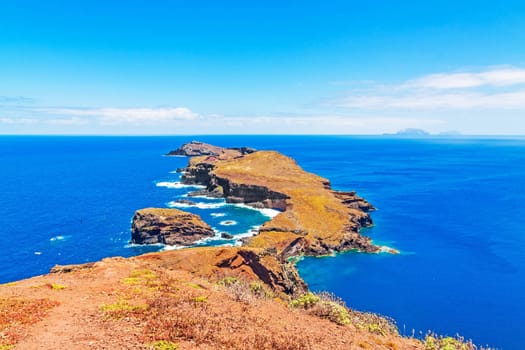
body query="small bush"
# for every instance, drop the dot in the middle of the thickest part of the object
(305, 301)
(121, 309)
(323, 305)
(261, 290)
(246, 292)
(163, 345)
(327, 305)
(331, 311)
(373, 323)
(200, 299)
(143, 277)
(57, 286)
(434, 342)
(228, 281)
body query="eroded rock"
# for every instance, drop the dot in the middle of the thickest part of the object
(197, 148)
(168, 226)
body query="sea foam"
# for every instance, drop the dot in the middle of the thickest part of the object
(200, 205)
(228, 223)
(176, 184)
(271, 213)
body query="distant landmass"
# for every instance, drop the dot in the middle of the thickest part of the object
(413, 132)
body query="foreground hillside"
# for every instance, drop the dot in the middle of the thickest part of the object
(175, 300)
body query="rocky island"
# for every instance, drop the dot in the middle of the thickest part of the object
(168, 226)
(249, 297)
(315, 219)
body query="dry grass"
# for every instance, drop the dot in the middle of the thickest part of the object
(17, 314)
(180, 312)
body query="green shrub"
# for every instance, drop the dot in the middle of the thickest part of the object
(305, 301)
(57, 286)
(121, 308)
(260, 290)
(200, 299)
(163, 345)
(228, 281)
(331, 311)
(434, 342)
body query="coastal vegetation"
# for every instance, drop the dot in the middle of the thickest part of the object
(17, 315)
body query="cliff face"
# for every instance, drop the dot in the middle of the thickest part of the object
(315, 220)
(215, 263)
(168, 226)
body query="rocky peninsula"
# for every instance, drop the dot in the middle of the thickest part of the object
(314, 219)
(249, 297)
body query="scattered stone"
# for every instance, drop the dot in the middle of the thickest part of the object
(186, 201)
(226, 235)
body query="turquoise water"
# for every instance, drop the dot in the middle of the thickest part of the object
(453, 207)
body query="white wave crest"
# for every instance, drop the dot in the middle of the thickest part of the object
(228, 223)
(271, 213)
(252, 232)
(172, 247)
(176, 184)
(200, 205)
(218, 215)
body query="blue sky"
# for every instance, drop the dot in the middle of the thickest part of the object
(198, 67)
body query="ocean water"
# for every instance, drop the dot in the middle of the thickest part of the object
(453, 207)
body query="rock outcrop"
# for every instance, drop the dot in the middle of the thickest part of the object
(197, 148)
(215, 263)
(315, 219)
(168, 226)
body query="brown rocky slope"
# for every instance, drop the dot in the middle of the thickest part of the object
(202, 298)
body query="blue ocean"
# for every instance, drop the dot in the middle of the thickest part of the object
(453, 207)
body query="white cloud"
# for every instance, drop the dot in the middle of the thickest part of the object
(490, 89)
(422, 100)
(14, 121)
(321, 124)
(111, 116)
(67, 121)
(492, 77)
